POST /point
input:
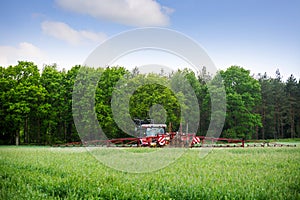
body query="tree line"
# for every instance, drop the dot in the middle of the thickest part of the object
(37, 106)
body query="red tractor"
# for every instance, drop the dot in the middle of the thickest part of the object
(153, 135)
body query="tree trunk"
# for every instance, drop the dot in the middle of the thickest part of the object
(281, 126)
(275, 124)
(264, 123)
(292, 124)
(26, 136)
(256, 130)
(69, 132)
(39, 131)
(65, 131)
(17, 137)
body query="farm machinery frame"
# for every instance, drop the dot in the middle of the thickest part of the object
(150, 134)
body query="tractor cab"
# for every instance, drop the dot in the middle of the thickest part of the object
(152, 130)
(153, 134)
(147, 128)
(150, 134)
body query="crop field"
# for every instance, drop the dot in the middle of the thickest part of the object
(73, 173)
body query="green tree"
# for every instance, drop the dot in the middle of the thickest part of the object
(23, 99)
(280, 105)
(204, 101)
(292, 94)
(266, 107)
(68, 82)
(6, 83)
(108, 79)
(243, 94)
(155, 90)
(52, 126)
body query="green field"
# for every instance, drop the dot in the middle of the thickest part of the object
(73, 173)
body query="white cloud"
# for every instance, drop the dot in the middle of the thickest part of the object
(128, 12)
(9, 55)
(64, 32)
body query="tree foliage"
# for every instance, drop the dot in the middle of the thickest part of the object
(243, 94)
(37, 107)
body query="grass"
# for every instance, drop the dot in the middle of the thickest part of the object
(292, 140)
(73, 173)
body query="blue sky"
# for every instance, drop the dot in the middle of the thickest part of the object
(259, 35)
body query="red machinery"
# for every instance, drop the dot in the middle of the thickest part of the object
(153, 135)
(149, 134)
